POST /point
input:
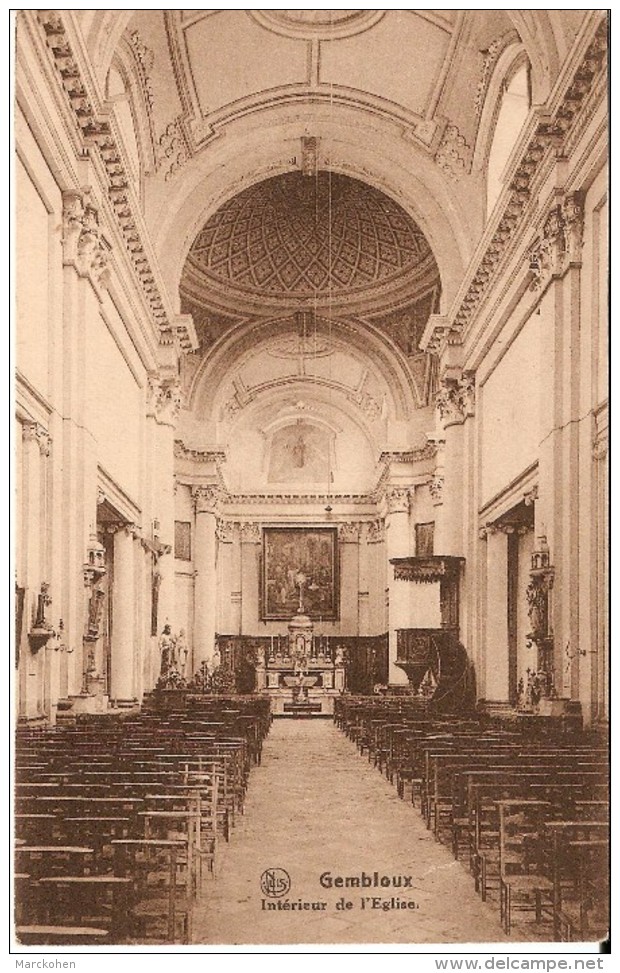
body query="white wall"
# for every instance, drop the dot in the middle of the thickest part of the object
(32, 230)
(509, 412)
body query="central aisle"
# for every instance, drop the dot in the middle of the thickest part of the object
(315, 806)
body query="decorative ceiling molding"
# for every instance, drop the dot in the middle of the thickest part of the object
(317, 24)
(96, 132)
(204, 124)
(549, 133)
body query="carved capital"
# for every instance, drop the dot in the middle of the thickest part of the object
(225, 530)
(349, 533)
(531, 496)
(456, 400)
(35, 432)
(250, 533)
(397, 500)
(206, 499)
(376, 531)
(435, 488)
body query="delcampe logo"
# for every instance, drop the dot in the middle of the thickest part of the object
(275, 882)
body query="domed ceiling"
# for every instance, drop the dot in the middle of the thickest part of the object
(296, 236)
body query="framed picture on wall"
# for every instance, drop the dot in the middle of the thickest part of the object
(299, 567)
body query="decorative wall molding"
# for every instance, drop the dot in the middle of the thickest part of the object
(489, 58)
(426, 569)
(196, 455)
(454, 155)
(144, 59)
(550, 132)
(83, 243)
(428, 451)
(258, 499)
(559, 245)
(165, 398)
(172, 150)
(97, 134)
(496, 528)
(35, 432)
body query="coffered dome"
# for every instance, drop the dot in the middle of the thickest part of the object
(296, 236)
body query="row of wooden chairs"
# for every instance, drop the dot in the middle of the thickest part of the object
(527, 814)
(117, 822)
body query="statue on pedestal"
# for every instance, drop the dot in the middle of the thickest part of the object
(167, 647)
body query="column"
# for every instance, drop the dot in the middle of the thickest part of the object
(84, 276)
(349, 536)
(397, 544)
(250, 608)
(36, 449)
(454, 402)
(123, 689)
(236, 585)
(560, 514)
(496, 688)
(205, 590)
(164, 405)
(225, 533)
(363, 594)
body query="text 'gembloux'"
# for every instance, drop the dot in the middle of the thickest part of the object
(365, 880)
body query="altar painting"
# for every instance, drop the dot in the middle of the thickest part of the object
(300, 557)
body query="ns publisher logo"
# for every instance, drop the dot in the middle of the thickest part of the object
(275, 882)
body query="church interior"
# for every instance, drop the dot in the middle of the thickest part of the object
(336, 600)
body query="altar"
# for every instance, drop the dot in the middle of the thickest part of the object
(301, 673)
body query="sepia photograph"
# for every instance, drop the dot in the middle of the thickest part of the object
(310, 500)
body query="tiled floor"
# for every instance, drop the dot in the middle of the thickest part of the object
(316, 806)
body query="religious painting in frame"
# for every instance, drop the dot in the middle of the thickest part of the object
(294, 558)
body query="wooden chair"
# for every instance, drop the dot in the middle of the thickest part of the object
(523, 882)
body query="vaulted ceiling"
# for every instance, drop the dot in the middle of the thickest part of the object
(331, 161)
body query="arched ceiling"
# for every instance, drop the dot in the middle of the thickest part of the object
(296, 237)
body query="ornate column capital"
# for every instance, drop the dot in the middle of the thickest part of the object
(250, 533)
(435, 488)
(165, 398)
(397, 500)
(376, 531)
(35, 432)
(349, 533)
(206, 499)
(456, 399)
(225, 530)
